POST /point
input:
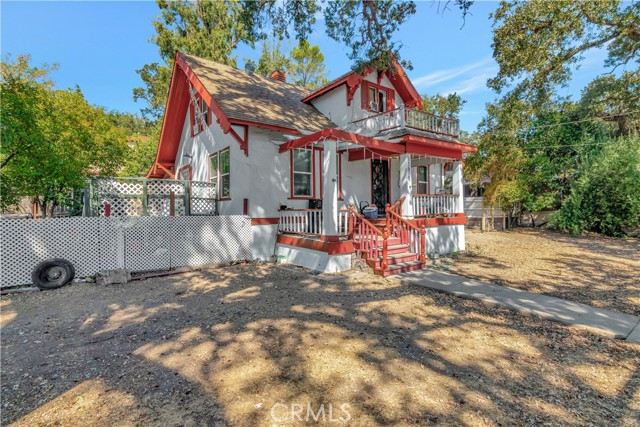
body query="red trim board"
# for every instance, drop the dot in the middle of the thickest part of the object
(331, 248)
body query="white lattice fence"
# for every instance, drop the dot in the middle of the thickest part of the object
(26, 242)
(138, 244)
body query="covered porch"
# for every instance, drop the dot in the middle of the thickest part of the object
(413, 184)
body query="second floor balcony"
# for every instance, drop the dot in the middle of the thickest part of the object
(406, 118)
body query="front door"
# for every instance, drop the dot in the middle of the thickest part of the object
(380, 184)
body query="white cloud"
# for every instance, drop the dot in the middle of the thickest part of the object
(470, 85)
(451, 73)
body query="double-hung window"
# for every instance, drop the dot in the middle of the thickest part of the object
(376, 98)
(220, 173)
(423, 180)
(302, 172)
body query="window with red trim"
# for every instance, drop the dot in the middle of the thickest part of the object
(302, 170)
(376, 98)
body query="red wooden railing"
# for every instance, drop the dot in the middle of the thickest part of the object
(370, 239)
(411, 235)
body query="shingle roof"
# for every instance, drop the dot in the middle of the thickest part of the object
(257, 99)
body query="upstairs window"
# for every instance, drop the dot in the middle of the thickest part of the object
(200, 117)
(302, 172)
(376, 98)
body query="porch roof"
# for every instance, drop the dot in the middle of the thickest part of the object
(340, 135)
(410, 144)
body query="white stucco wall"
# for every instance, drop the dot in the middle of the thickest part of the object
(445, 239)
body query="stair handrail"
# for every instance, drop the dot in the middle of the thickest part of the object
(422, 246)
(368, 229)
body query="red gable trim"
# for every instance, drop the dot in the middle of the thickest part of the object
(396, 76)
(405, 88)
(174, 113)
(264, 126)
(221, 117)
(340, 135)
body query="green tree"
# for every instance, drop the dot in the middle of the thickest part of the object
(141, 156)
(614, 99)
(444, 106)
(307, 66)
(272, 58)
(52, 139)
(537, 43)
(209, 29)
(604, 197)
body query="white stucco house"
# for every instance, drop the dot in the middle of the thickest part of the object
(303, 164)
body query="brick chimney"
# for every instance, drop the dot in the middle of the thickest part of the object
(278, 75)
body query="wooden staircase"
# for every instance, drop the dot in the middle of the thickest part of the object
(390, 245)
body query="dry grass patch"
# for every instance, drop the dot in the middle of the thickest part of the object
(226, 346)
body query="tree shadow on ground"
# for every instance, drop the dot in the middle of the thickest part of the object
(224, 346)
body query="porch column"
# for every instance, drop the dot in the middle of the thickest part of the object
(458, 186)
(405, 185)
(330, 191)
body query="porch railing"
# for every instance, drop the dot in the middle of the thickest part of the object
(434, 204)
(371, 241)
(403, 117)
(411, 235)
(309, 221)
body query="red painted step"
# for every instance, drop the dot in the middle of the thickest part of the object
(403, 267)
(398, 258)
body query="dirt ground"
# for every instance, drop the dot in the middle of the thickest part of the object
(600, 271)
(255, 345)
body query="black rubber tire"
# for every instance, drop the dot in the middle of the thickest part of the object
(53, 273)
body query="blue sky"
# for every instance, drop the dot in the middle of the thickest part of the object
(99, 45)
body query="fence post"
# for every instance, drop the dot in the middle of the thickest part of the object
(145, 201)
(187, 197)
(172, 203)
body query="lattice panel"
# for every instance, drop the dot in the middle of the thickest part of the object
(118, 186)
(164, 187)
(162, 207)
(211, 240)
(203, 207)
(25, 243)
(147, 243)
(136, 243)
(121, 207)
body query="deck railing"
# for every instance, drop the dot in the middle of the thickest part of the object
(434, 204)
(309, 221)
(403, 117)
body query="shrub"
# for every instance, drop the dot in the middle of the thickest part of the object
(605, 197)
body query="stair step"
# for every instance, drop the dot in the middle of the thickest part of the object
(392, 249)
(402, 267)
(390, 240)
(393, 259)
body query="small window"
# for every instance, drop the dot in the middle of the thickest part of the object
(225, 174)
(302, 172)
(423, 180)
(205, 114)
(220, 173)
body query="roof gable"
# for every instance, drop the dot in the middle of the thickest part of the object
(254, 98)
(352, 80)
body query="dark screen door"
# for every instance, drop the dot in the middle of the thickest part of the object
(380, 184)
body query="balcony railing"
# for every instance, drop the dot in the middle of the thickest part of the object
(403, 118)
(309, 222)
(434, 204)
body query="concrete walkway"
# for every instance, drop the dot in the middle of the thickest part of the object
(612, 323)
